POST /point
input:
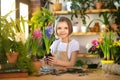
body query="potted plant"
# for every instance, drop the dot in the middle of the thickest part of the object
(113, 68)
(10, 45)
(108, 4)
(99, 4)
(33, 44)
(106, 19)
(94, 48)
(105, 43)
(41, 19)
(80, 7)
(104, 4)
(6, 38)
(57, 6)
(116, 15)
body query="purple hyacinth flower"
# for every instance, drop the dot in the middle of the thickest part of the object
(49, 32)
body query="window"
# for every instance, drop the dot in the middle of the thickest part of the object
(6, 9)
(18, 7)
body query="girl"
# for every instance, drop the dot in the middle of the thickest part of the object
(64, 50)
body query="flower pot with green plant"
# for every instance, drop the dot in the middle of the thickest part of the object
(38, 43)
(116, 16)
(94, 48)
(79, 8)
(99, 4)
(106, 20)
(9, 44)
(7, 35)
(33, 44)
(104, 4)
(105, 43)
(41, 19)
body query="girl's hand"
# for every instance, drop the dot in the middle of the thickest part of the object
(52, 59)
(46, 60)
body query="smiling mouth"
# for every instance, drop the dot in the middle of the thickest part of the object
(62, 34)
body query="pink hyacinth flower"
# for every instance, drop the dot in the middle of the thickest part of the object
(37, 34)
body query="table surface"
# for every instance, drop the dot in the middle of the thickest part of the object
(95, 74)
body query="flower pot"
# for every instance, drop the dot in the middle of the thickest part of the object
(37, 64)
(75, 29)
(57, 7)
(99, 5)
(83, 28)
(12, 58)
(107, 62)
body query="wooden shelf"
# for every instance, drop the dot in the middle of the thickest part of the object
(94, 11)
(86, 33)
(100, 10)
(87, 55)
(13, 75)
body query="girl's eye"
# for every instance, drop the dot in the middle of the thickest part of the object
(66, 27)
(59, 28)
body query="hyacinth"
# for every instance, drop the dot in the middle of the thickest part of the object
(37, 35)
(49, 31)
(48, 37)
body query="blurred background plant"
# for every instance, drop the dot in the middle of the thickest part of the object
(116, 48)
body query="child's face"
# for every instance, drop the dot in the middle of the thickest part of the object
(62, 29)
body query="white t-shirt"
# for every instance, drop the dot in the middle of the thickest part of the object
(73, 46)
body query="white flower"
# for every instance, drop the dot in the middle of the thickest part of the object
(88, 46)
(20, 37)
(116, 4)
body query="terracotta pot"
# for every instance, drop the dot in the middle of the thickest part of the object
(37, 64)
(99, 5)
(12, 58)
(57, 7)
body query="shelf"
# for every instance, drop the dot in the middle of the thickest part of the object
(86, 33)
(14, 75)
(86, 55)
(100, 10)
(87, 12)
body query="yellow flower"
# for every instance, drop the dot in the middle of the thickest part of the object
(116, 43)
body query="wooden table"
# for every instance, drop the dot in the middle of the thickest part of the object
(96, 74)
